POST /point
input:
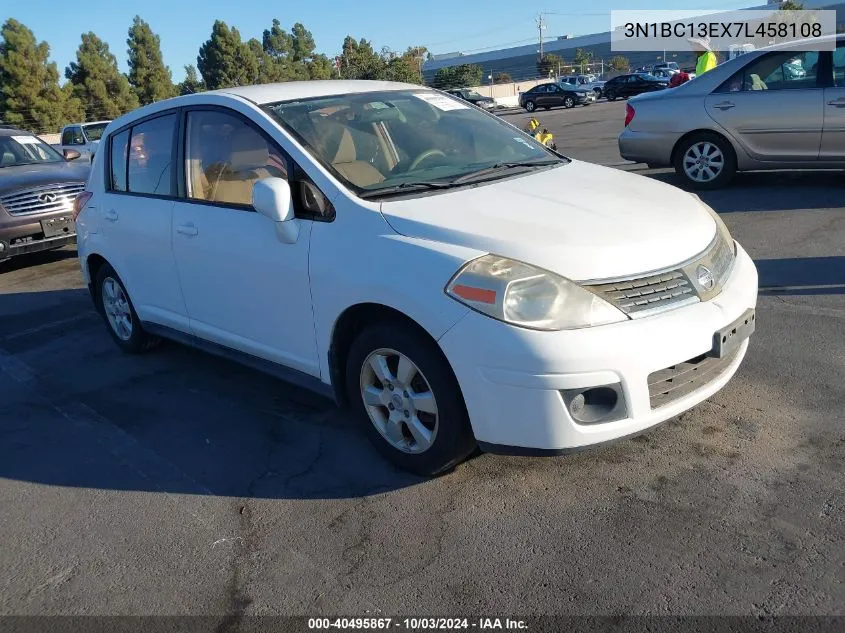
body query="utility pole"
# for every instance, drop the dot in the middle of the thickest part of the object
(541, 24)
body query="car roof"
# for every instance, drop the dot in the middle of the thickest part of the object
(290, 90)
(8, 130)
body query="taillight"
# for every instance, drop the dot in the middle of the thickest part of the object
(629, 114)
(79, 203)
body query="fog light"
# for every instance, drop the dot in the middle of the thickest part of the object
(595, 405)
(2, 247)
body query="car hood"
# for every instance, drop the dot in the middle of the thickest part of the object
(609, 223)
(18, 177)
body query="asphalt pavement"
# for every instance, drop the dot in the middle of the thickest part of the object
(178, 483)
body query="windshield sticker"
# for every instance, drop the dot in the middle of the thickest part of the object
(379, 105)
(26, 140)
(440, 102)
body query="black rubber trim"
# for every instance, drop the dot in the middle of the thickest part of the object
(293, 376)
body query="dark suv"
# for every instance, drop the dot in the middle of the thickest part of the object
(37, 189)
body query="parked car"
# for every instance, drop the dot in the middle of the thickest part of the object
(624, 86)
(553, 95)
(455, 282)
(749, 113)
(82, 138)
(473, 97)
(37, 189)
(585, 82)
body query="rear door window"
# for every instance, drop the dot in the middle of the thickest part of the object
(151, 156)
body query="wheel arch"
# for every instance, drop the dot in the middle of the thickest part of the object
(679, 143)
(349, 323)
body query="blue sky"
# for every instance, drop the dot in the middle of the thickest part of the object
(442, 25)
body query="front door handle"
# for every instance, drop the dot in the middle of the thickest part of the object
(187, 229)
(724, 105)
(110, 215)
(837, 103)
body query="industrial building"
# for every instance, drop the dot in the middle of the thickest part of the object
(521, 62)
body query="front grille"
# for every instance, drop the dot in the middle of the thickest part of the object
(675, 382)
(647, 293)
(672, 288)
(46, 199)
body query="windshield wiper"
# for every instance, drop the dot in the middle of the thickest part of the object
(406, 187)
(496, 167)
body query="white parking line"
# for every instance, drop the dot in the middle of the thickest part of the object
(47, 326)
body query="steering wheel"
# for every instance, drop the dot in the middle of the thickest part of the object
(424, 156)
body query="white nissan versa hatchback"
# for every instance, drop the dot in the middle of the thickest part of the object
(412, 256)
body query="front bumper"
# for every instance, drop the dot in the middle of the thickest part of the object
(21, 234)
(512, 378)
(653, 148)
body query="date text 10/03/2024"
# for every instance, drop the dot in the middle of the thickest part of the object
(417, 624)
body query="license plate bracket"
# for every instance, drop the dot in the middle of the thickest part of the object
(56, 227)
(730, 337)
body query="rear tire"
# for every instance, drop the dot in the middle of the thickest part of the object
(568, 103)
(611, 96)
(721, 161)
(408, 385)
(117, 311)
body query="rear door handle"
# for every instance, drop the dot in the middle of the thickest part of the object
(187, 229)
(724, 105)
(837, 103)
(110, 215)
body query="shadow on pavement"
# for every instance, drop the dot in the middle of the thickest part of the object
(771, 191)
(802, 275)
(35, 259)
(75, 411)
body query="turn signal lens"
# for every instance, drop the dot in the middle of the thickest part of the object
(79, 203)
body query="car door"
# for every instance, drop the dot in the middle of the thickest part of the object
(775, 113)
(136, 215)
(244, 287)
(833, 135)
(555, 96)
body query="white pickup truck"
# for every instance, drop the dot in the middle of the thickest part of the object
(83, 138)
(587, 82)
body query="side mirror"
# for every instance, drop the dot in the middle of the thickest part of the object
(271, 197)
(71, 154)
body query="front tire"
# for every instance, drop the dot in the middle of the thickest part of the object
(705, 161)
(611, 96)
(530, 106)
(119, 314)
(408, 399)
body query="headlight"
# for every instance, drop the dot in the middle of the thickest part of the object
(527, 296)
(721, 228)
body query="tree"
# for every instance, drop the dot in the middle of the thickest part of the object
(583, 58)
(104, 92)
(549, 64)
(502, 78)
(302, 42)
(460, 76)
(320, 67)
(789, 5)
(192, 83)
(358, 60)
(397, 67)
(30, 95)
(147, 73)
(619, 63)
(225, 61)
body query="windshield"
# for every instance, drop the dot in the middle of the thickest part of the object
(25, 149)
(402, 138)
(94, 131)
(473, 93)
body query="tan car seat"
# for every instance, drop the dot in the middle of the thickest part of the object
(248, 164)
(345, 161)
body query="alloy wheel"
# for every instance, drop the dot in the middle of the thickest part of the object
(703, 162)
(399, 401)
(116, 307)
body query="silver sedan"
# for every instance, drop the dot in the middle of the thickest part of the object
(774, 108)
